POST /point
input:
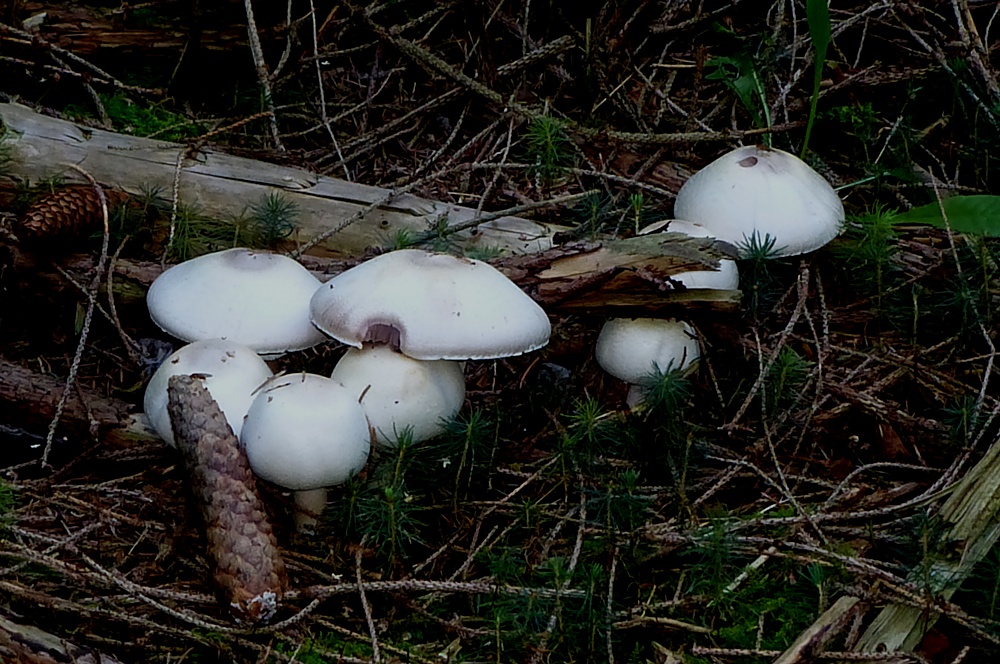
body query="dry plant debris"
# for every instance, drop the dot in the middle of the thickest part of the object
(802, 467)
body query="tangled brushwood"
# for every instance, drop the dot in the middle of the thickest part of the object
(818, 485)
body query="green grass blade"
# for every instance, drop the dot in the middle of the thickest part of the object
(818, 17)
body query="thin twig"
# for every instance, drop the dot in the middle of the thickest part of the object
(376, 657)
(262, 75)
(95, 284)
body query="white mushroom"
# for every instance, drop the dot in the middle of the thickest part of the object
(397, 392)
(256, 298)
(767, 192)
(305, 433)
(634, 349)
(431, 307)
(233, 373)
(727, 277)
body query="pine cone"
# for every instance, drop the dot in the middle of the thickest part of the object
(249, 570)
(72, 210)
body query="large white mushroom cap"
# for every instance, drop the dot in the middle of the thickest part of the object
(397, 391)
(633, 348)
(256, 298)
(233, 373)
(764, 191)
(727, 277)
(432, 307)
(305, 431)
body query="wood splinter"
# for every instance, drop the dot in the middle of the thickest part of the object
(249, 571)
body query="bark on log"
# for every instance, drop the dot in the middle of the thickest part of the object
(28, 399)
(88, 31)
(222, 186)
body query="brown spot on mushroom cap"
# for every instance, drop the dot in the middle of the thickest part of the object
(747, 162)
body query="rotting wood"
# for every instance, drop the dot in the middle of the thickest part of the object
(28, 399)
(222, 186)
(971, 516)
(813, 640)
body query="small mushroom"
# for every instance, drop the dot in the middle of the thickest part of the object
(398, 392)
(256, 298)
(763, 191)
(232, 373)
(431, 307)
(305, 433)
(633, 349)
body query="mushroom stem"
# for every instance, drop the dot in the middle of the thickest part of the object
(309, 506)
(636, 395)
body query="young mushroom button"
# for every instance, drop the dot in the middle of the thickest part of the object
(633, 349)
(305, 433)
(232, 373)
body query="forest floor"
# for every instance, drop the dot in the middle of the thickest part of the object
(804, 470)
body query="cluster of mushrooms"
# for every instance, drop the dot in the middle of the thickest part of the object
(750, 192)
(412, 317)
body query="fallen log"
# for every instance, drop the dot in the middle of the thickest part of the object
(28, 401)
(610, 277)
(222, 186)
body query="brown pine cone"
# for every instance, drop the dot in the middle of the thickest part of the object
(72, 210)
(249, 571)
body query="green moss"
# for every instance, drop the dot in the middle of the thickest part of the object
(139, 119)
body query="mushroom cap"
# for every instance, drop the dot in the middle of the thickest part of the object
(727, 277)
(764, 191)
(397, 391)
(256, 298)
(432, 307)
(632, 348)
(305, 431)
(233, 373)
